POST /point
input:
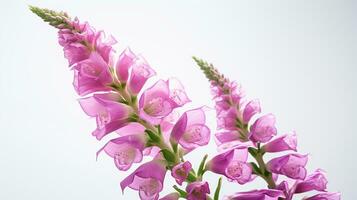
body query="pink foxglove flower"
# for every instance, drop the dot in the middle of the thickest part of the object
(316, 181)
(226, 136)
(265, 194)
(325, 196)
(263, 129)
(124, 63)
(147, 179)
(159, 101)
(140, 73)
(282, 143)
(181, 171)
(190, 131)
(80, 39)
(126, 150)
(292, 166)
(110, 114)
(92, 75)
(251, 109)
(197, 190)
(227, 119)
(233, 164)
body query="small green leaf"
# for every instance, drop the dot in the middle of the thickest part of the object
(253, 151)
(191, 176)
(153, 138)
(218, 189)
(201, 167)
(256, 169)
(168, 155)
(182, 193)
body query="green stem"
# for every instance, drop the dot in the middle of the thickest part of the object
(264, 173)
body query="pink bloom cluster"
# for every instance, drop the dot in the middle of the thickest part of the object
(147, 127)
(145, 122)
(242, 131)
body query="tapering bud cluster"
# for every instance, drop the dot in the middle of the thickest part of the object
(211, 72)
(56, 19)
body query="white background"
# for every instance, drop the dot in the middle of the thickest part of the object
(297, 57)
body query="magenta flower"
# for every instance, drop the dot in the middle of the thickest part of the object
(172, 196)
(227, 119)
(181, 171)
(123, 64)
(252, 108)
(110, 114)
(177, 92)
(316, 181)
(232, 163)
(148, 179)
(169, 121)
(325, 196)
(81, 39)
(263, 129)
(91, 75)
(292, 166)
(282, 143)
(158, 101)
(226, 136)
(125, 150)
(265, 194)
(140, 73)
(190, 130)
(197, 190)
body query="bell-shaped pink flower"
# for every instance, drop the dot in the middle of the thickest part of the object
(177, 92)
(172, 196)
(123, 64)
(316, 181)
(263, 129)
(140, 73)
(197, 190)
(264, 194)
(227, 119)
(282, 143)
(232, 163)
(148, 179)
(292, 166)
(125, 150)
(110, 114)
(190, 130)
(325, 196)
(226, 136)
(181, 171)
(156, 103)
(252, 108)
(169, 121)
(92, 75)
